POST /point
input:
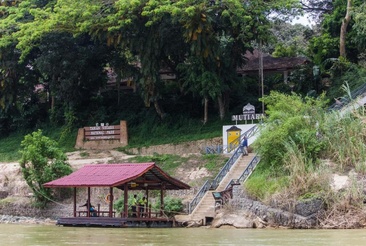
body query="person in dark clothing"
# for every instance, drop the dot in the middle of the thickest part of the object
(134, 205)
(244, 146)
(92, 210)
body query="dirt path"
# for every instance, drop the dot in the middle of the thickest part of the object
(13, 183)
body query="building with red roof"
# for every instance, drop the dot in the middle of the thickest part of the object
(124, 176)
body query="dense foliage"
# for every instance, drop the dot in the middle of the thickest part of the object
(291, 119)
(172, 206)
(301, 145)
(54, 55)
(42, 161)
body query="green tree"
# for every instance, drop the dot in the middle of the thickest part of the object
(42, 161)
(156, 35)
(20, 105)
(290, 40)
(72, 71)
(360, 26)
(337, 33)
(290, 118)
(172, 206)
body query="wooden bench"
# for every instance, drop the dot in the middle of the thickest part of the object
(99, 213)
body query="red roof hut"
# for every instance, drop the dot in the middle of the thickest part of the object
(125, 176)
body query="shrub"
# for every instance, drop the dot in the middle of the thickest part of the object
(290, 118)
(172, 206)
(42, 161)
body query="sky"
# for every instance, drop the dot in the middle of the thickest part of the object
(303, 20)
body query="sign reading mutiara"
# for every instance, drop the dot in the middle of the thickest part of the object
(248, 114)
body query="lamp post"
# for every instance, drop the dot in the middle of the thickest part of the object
(316, 75)
(261, 72)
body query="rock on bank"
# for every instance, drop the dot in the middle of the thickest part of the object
(243, 212)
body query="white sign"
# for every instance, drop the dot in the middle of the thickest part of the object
(248, 114)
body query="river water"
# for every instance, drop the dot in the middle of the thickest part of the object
(11, 234)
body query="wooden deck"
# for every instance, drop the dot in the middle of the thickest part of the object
(117, 222)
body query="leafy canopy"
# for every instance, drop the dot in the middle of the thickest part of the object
(42, 161)
(291, 118)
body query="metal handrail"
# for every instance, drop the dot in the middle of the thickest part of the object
(218, 149)
(246, 173)
(198, 197)
(343, 101)
(224, 170)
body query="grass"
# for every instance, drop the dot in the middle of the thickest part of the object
(10, 145)
(300, 175)
(168, 163)
(213, 163)
(171, 132)
(262, 185)
(9, 148)
(143, 135)
(84, 154)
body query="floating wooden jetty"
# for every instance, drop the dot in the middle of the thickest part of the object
(117, 222)
(125, 176)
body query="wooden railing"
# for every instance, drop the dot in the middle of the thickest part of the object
(222, 197)
(97, 213)
(147, 213)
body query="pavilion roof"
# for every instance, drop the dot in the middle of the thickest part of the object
(270, 63)
(138, 176)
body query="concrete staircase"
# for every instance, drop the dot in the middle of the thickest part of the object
(206, 208)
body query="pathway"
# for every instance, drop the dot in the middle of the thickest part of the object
(206, 208)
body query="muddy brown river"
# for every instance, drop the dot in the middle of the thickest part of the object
(11, 234)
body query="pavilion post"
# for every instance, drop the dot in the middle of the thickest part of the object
(74, 201)
(111, 202)
(88, 203)
(162, 199)
(147, 203)
(125, 198)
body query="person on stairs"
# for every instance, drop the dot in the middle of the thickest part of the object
(244, 146)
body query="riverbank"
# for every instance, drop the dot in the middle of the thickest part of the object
(10, 219)
(242, 212)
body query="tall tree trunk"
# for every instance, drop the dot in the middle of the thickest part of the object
(205, 108)
(52, 92)
(261, 74)
(159, 110)
(221, 106)
(52, 102)
(118, 83)
(342, 38)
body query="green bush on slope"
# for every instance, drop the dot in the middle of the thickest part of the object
(299, 134)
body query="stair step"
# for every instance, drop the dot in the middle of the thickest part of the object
(206, 208)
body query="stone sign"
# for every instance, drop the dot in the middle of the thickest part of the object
(102, 136)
